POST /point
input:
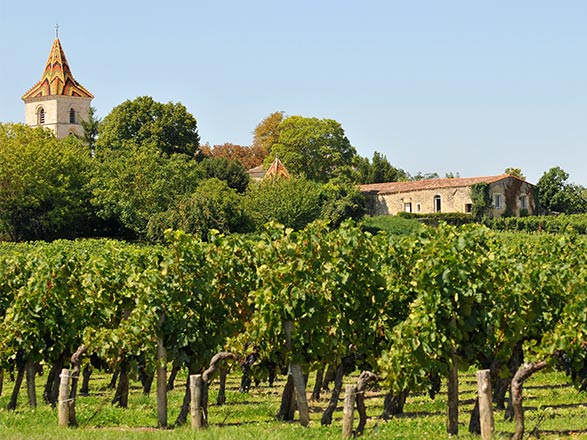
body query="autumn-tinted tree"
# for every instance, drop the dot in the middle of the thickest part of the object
(250, 157)
(43, 184)
(315, 148)
(267, 133)
(144, 122)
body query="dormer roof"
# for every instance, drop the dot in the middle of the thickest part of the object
(57, 78)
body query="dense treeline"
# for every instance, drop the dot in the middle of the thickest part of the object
(408, 308)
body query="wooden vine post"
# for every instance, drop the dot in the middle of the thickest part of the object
(196, 392)
(298, 380)
(485, 404)
(63, 405)
(199, 390)
(350, 392)
(161, 377)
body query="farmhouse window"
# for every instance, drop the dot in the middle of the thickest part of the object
(418, 207)
(408, 207)
(523, 201)
(468, 208)
(437, 204)
(497, 203)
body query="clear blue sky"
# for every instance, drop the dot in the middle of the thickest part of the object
(437, 86)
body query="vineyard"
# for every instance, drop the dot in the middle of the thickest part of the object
(412, 310)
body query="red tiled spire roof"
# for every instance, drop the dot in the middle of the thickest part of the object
(57, 78)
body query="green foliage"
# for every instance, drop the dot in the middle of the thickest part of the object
(292, 202)
(433, 219)
(231, 171)
(392, 224)
(341, 200)
(43, 184)
(555, 194)
(212, 206)
(91, 127)
(481, 199)
(555, 224)
(516, 172)
(379, 170)
(130, 187)
(143, 122)
(315, 148)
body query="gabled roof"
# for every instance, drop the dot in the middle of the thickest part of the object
(429, 184)
(276, 169)
(57, 78)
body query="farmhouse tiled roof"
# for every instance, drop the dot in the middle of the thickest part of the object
(428, 184)
(57, 78)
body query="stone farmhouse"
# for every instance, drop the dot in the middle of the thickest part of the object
(509, 195)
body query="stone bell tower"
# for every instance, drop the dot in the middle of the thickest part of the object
(57, 102)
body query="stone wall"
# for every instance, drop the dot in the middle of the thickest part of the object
(57, 111)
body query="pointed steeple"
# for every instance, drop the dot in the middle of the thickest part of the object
(57, 78)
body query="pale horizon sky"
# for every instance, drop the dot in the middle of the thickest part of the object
(453, 86)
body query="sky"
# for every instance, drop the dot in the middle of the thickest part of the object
(467, 87)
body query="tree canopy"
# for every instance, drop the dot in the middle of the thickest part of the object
(43, 184)
(144, 122)
(315, 148)
(556, 194)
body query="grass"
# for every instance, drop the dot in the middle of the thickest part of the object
(392, 224)
(554, 410)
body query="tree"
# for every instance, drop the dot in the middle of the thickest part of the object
(144, 122)
(43, 184)
(424, 176)
(516, 172)
(91, 127)
(380, 170)
(293, 202)
(267, 133)
(315, 148)
(555, 194)
(231, 171)
(129, 187)
(250, 157)
(212, 205)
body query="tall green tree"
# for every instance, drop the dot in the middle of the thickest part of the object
(43, 184)
(380, 170)
(144, 122)
(231, 171)
(556, 194)
(315, 148)
(91, 127)
(129, 187)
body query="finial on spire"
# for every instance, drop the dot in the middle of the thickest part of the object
(56, 30)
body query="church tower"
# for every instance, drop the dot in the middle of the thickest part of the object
(57, 101)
